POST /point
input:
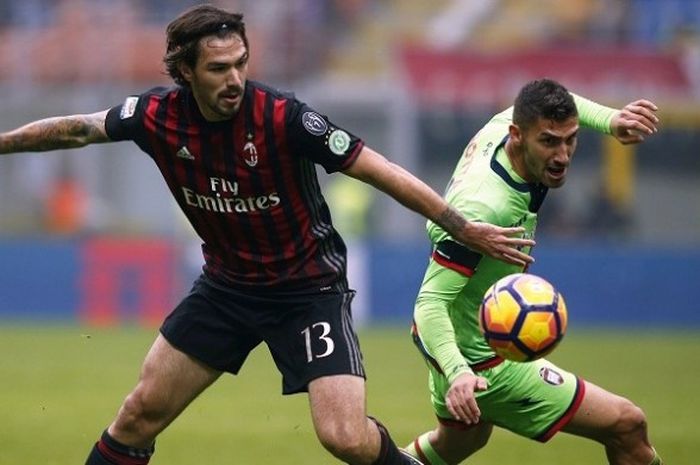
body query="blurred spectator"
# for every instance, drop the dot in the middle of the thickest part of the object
(32, 14)
(65, 207)
(351, 203)
(656, 22)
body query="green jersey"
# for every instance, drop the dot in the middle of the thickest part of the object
(484, 187)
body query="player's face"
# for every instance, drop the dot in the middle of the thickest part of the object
(219, 77)
(547, 148)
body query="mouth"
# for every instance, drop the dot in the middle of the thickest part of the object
(557, 172)
(230, 98)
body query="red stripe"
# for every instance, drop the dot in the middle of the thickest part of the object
(455, 424)
(486, 364)
(300, 241)
(353, 156)
(262, 236)
(569, 414)
(421, 454)
(119, 459)
(212, 226)
(284, 232)
(452, 265)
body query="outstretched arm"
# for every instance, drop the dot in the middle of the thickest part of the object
(61, 132)
(628, 125)
(494, 241)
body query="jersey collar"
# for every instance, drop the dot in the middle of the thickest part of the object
(503, 168)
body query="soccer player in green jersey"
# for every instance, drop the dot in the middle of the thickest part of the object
(502, 178)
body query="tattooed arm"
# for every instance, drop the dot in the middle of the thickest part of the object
(61, 132)
(495, 241)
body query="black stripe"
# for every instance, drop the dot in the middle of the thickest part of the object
(331, 257)
(537, 191)
(459, 254)
(351, 337)
(200, 216)
(285, 193)
(240, 226)
(282, 269)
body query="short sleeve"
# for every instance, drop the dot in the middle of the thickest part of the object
(124, 121)
(313, 136)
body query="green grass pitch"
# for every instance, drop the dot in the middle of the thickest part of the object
(60, 386)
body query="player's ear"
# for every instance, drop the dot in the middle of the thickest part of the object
(515, 133)
(185, 71)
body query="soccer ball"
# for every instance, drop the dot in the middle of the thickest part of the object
(522, 317)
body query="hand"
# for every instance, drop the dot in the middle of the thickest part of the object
(460, 397)
(635, 121)
(497, 242)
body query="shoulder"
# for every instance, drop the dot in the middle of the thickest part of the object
(162, 93)
(137, 103)
(125, 120)
(275, 93)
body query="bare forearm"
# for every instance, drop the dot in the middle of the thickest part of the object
(62, 132)
(413, 193)
(418, 196)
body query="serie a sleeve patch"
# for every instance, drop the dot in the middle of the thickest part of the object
(457, 257)
(128, 107)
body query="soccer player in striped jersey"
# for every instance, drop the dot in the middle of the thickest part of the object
(503, 177)
(239, 157)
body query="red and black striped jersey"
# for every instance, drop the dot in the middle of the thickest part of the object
(248, 185)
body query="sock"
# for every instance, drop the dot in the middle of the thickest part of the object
(389, 454)
(107, 451)
(656, 460)
(423, 450)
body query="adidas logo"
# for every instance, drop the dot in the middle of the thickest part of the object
(184, 153)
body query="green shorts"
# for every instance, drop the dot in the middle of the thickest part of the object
(534, 399)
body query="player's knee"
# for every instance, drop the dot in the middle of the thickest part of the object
(458, 445)
(141, 415)
(344, 441)
(481, 438)
(631, 424)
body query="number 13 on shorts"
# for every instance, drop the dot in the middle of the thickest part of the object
(317, 341)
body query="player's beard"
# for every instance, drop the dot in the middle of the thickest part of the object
(229, 102)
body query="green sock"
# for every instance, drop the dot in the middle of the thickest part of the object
(421, 449)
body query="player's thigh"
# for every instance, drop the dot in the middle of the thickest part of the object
(312, 336)
(338, 402)
(534, 399)
(171, 379)
(215, 325)
(599, 413)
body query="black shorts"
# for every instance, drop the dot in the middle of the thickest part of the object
(308, 335)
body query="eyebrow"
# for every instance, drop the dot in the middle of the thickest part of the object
(548, 133)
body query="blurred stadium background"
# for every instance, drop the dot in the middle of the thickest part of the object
(93, 235)
(90, 238)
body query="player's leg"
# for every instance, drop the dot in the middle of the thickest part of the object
(169, 381)
(615, 422)
(314, 344)
(450, 443)
(340, 419)
(341, 423)
(198, 341)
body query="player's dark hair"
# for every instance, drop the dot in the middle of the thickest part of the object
(185, 31)
(543, 98)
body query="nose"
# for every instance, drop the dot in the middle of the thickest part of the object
(234, 78)
(562, 153)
